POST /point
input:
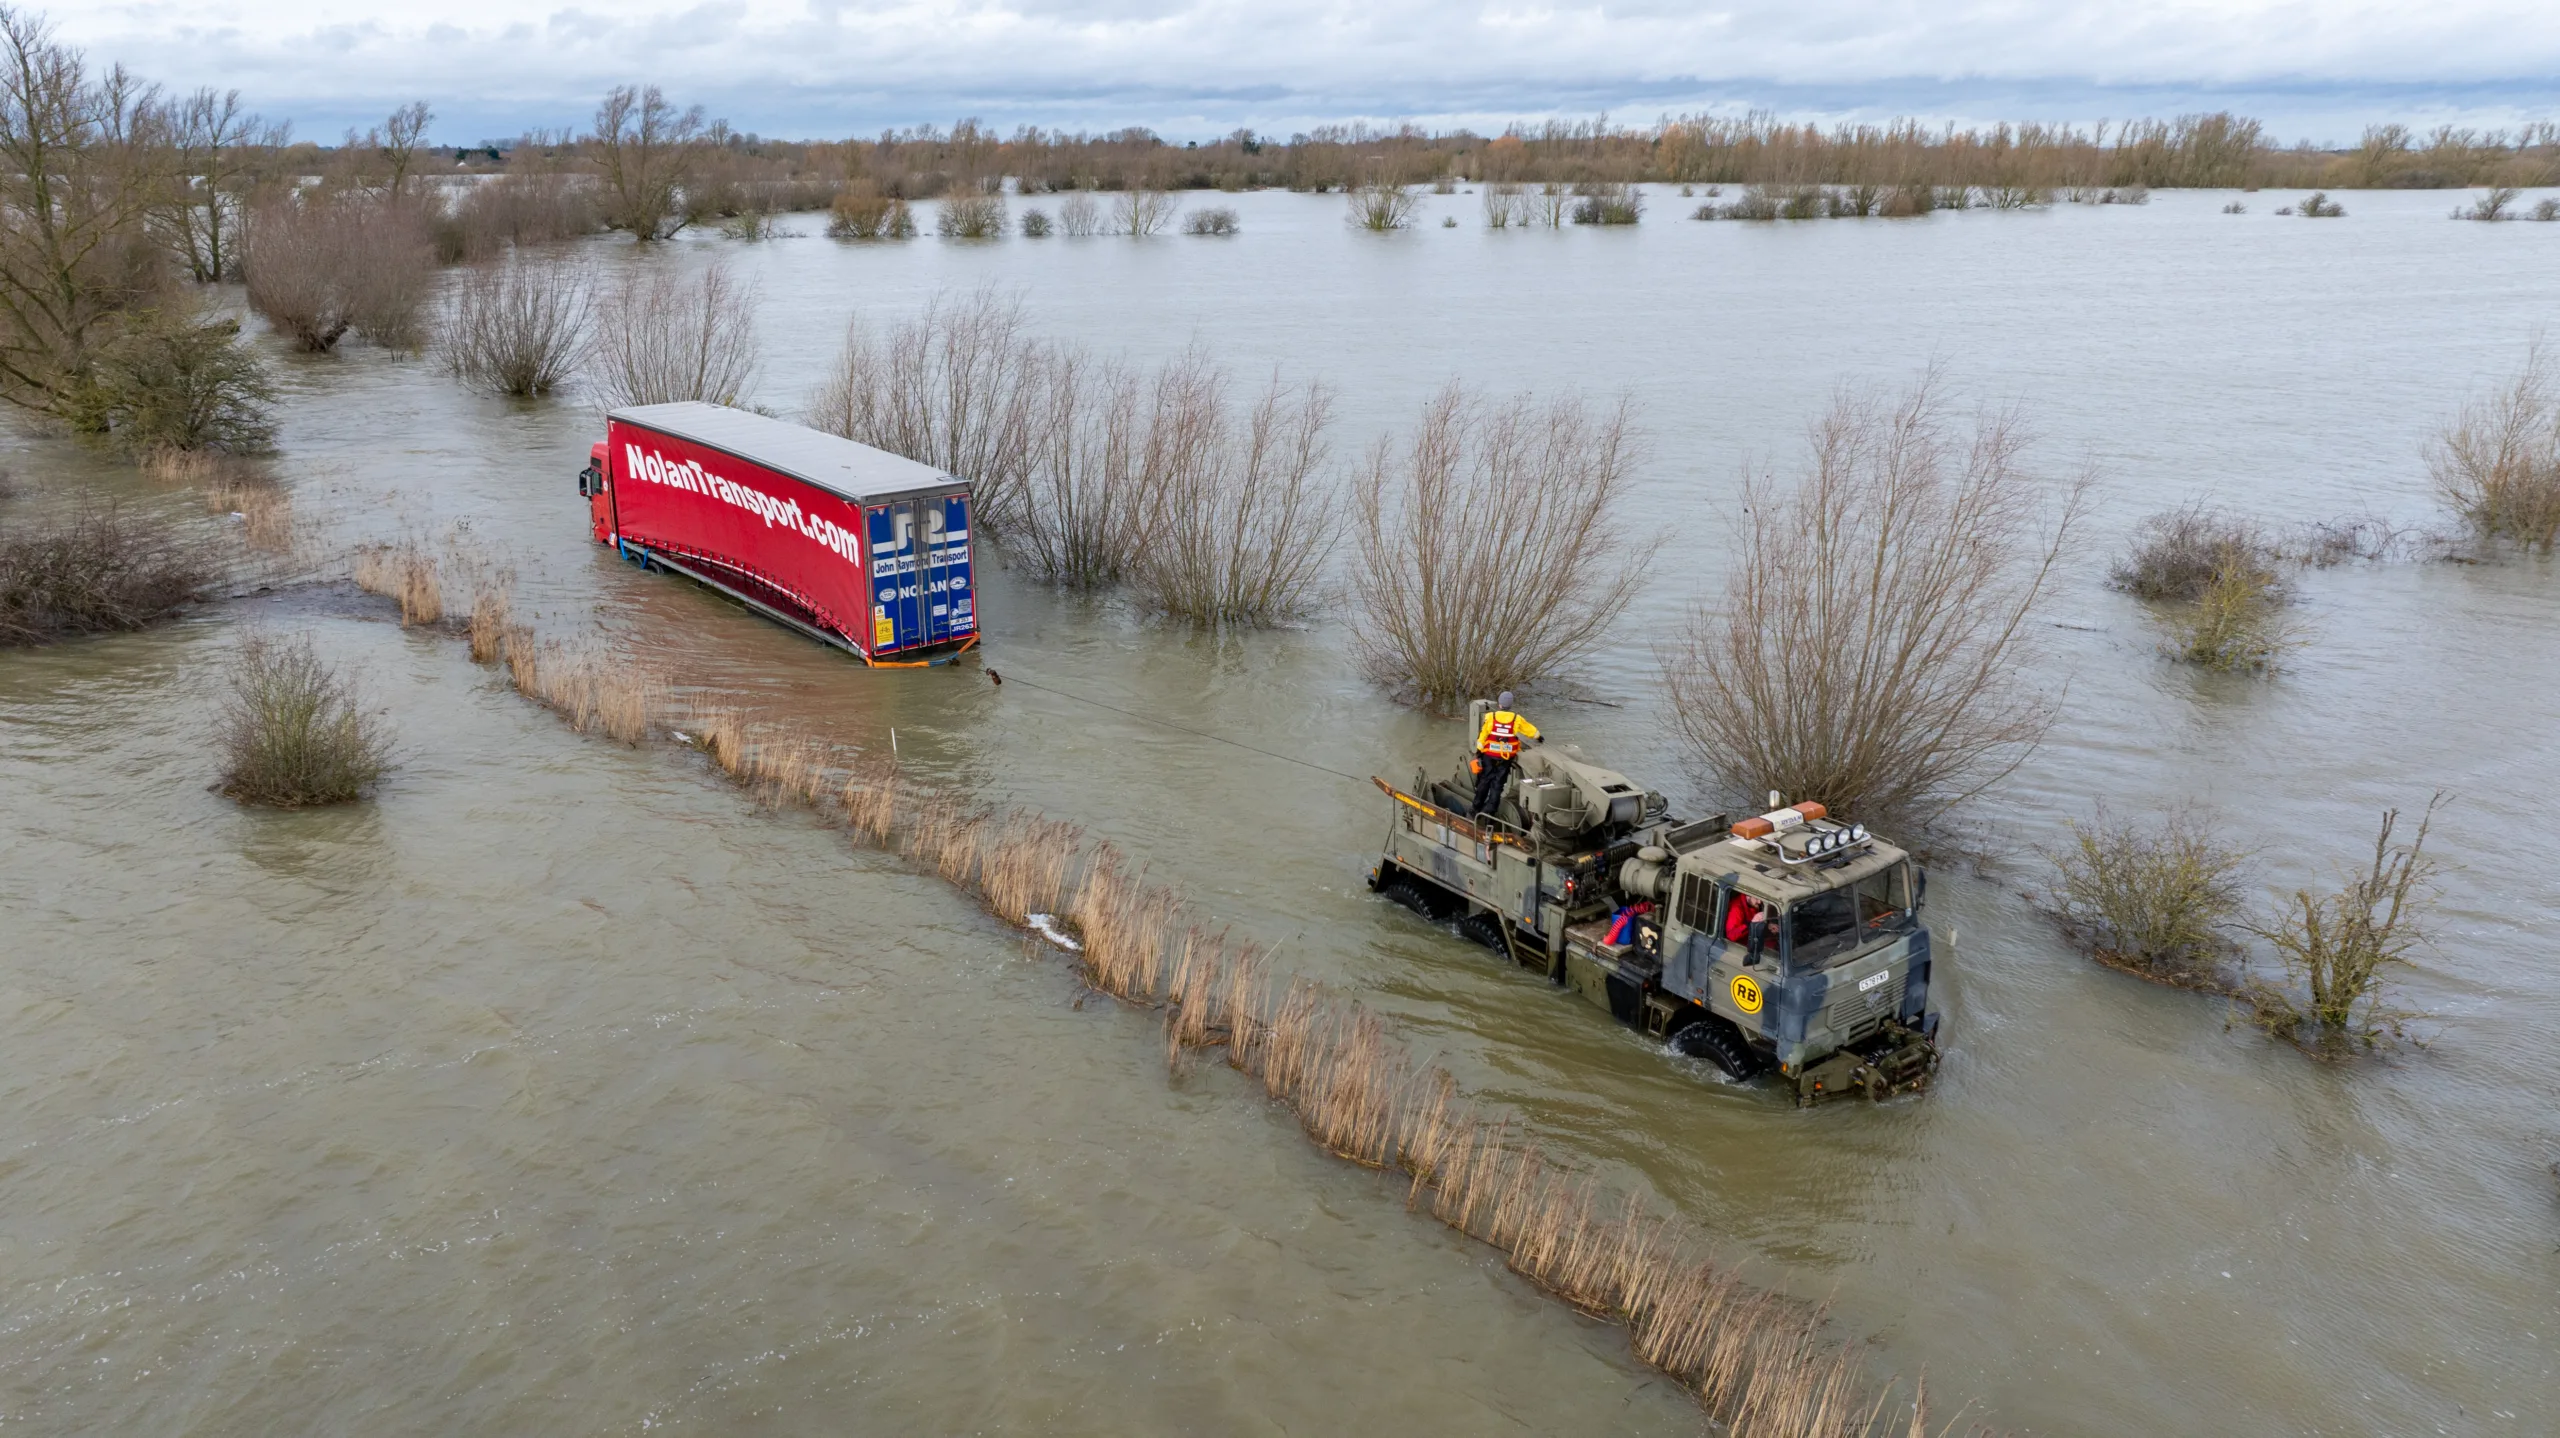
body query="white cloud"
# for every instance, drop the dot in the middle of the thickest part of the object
(1194, 66)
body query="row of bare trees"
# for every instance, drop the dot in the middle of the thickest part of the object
(1099, 473)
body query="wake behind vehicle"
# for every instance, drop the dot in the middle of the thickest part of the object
(1787, 940)
(852, 546)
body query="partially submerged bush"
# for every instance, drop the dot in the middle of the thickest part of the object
(534, 208)
(1236, 520)
(662, 337)
(2176, 553)
(1215, 220)
(2157, 899)
(98, 571)
(2237, 623)
(518, 326)
(1603, 204)
(2220, 572)
(320, 266)
(1381, 206)
(1079, 215)
(2341, 948)
(2497, 463)
(181, 379)
(1490, 555)
(2320, 207)
(1872, 645)
(1035, 225)
(864, 213)
(2491, 206)
(1141, 212)
(294, 731)
(971, 217)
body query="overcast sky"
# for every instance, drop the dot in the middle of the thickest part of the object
(1198, 68)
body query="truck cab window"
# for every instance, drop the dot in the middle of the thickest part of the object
(1827, 927)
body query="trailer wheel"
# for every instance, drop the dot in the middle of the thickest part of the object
(1718, 1042)
(1485, 929)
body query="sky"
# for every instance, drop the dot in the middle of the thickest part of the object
(1195, 69)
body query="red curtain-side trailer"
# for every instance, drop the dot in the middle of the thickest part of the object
(848, 544)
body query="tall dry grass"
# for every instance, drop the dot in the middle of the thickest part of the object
(408, 575)
(519, 326)
(1492, 552)
(294, 731)
(661, 336)
(2496, 464)
(1871, 648)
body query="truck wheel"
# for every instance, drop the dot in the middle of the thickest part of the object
(1485, 929)
(1719, 1043)
(1410, 894)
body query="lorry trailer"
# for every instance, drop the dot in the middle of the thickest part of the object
(850, 545)
(1786, 941)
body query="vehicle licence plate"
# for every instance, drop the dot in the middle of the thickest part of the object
(1871, 980)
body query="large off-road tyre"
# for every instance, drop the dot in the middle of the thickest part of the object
(1485, 929)
(1419, 895)
(1720, 1043)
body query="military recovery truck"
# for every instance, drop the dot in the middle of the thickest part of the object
(1587, 878)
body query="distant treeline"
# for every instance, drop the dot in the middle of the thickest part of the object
(2218, 150)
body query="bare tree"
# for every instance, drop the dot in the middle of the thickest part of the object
(1380, 205)
(1078, 506)
(1237, 524)
(1489, 556)
(956, 388)
(322, 264)
(216, 146)
(1872, 644)
(400, 136)
(520, 326)
(81, 165)
(662, 338)
(645, 149)
(1140, 212)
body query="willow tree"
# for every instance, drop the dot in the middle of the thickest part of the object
(82, 162)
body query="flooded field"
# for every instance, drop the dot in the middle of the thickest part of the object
(561, 1088)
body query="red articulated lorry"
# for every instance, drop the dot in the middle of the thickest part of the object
(850, 545)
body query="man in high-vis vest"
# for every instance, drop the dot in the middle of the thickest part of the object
(1498, 742)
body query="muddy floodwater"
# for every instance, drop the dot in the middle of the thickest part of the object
(561, 1089)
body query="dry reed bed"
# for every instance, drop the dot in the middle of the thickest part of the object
(1761, 1362)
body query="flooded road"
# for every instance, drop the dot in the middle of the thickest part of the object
(562, 1089)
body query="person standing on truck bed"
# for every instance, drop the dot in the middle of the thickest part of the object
(1498, 742)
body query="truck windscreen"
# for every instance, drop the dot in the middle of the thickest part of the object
(1827, 927)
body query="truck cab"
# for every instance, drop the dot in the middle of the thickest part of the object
(592, 484)
(1803, 938)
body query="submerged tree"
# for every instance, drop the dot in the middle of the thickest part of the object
(1490, 553)
(1871, 646)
